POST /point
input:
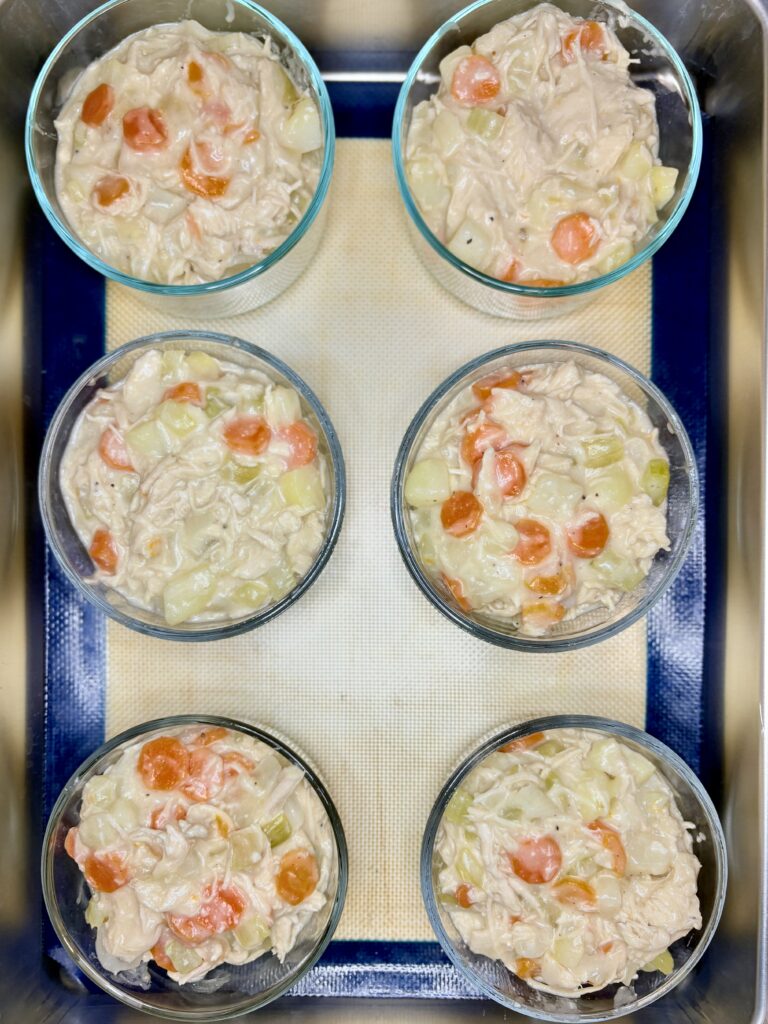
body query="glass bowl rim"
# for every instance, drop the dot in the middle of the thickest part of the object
(206, 287)
(579, 287)
(662, 753)
(222, 629)
(547, 644)
(278, 744)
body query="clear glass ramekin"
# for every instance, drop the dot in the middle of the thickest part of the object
(656, 65)
(682, 497)
(493, 979)
(227, 991)
(67, 546)
(99, 32)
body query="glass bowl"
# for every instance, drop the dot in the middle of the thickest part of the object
(656, 66)
(99, 32)
(228, 990)
(682, 497)
(69, 549)
(493, 979)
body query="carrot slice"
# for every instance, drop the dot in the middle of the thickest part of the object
(186, 391)
(302, 441)
(98, 105)
(209, 186)
(549, 586)
(526, 968)
(510, 473)
(509, 379)
(69, 842)
(212, 735)
(251, 136)
(103, 551)
(109, 189)
(611, 840)
(541, 614)
(590, 37)
(588, 538)
(476, 441)
(462, 896)
(528, 742)
(144, 130)
(543, 282)
(297, 876)
(456, 588)
(205, 775)
(534, 542)
(536, 860)
(172, 811)
(461, 513)
(512, 274)
(113, 451)
(161, 958)
(194, 73)
(105, 872)
(248, 435)
(475, 81)
(236, 763)
(163, 763)
(575, 892)
(575, 238)
(221, 913)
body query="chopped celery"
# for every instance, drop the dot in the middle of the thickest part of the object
(251, 405)
(429, 190)
(512, 813)
(469, 868)
(428, 483)
(255, 593)
(175, 362)
(549, 748)
(253, 932)
(655, 480)
(458, 805)
(188, 594)
(240, 474)
(663, 962)
(302, 130)
(303, 487)
(663, 180)
(203, 366)
(448, 899)
(602, 451)
(214, 403)
(183, 958)
(147, 438)
(181, 418)
(282, 407)
(277, 829)
(95, 913)
(471, 243)
(285, 82)
(637, 161)
(611, 491)
(616, 571)
(280, 580)
(485, 123)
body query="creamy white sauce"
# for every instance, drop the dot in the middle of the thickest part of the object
(183, 513)
(565, 857)
(228, 158)
(566, 480)
(535, 124)
(200, 869)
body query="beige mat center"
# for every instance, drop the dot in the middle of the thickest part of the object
(378, 689)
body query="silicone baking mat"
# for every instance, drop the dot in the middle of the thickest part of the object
(380, 691)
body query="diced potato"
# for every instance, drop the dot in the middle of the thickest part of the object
(648, 854)
(100, 791)
(303, 487)
(302, 130)
(428, 483)
(653, 801)
(125, 813)
(655, 480)
(471, 243)
(448, 899)
(204, 366)
(458, 805)
(148, 439)
(549, 748)
(649, 209)
(183, 957)
(247, 847)
(174, 363)
(593, 796)
(663, 962)
(531, 801)
(546, 204)
(642, 769)
(663, 181)
(450, 62)
(637, 162)
(188, 594)
(616, 571)
(253, 932)
(606, 756)
(181, 418)
(469, 868)
(75, 190)
(485, 123)
(280, 580)
(130, 231)
(285, 84)
(80, 134)
(95, 913)
(255, 594)
(568, 951)
(611, 491)
(162, 205)
(251, 405)
(282, 407)
(554, 495)
(616, 256)
(608, 890)
(97, 831)
(277, 829)
(448, 132)
(429, 190)
(602, 451)
(214, 403)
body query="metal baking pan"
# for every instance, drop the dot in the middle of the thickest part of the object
(364, 49)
